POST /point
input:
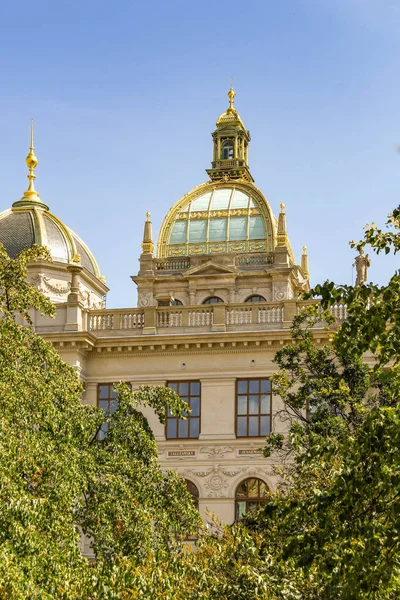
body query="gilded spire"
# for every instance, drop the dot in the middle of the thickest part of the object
(304, 262)
(147, 244)
(231, 96)
(282, 234)
(31, 196)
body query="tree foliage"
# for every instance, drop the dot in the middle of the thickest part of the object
(58, 478)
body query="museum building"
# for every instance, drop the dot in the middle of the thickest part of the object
(215, 303)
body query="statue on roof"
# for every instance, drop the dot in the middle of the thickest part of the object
(361, 263)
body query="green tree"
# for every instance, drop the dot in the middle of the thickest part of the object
(336, 517)
(57, 478)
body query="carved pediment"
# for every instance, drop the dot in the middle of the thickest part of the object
(211, 268)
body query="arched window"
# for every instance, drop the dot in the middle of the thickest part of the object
(193, 491)
(212, 300)
(250, 494)
(176, 302)
(255, 298)
(227, 150)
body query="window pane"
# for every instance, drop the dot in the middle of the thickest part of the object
(182, 428)
(103, 404)
(264, 491)
(242, 405)
(173, 386)
(114, 406)
(237, 228)
(220, 199)
(103, 432)
(242, 387)
(239, 200)
(253, 426)
(254, 385)
(252, 506)
(103, 391)
(256, 228)
(265, 426)
(195, 406)
(240, 509)
(113, 393)
(253, 405)
(195, 388)
(252, 488)
(171, 428)
(217, 230)
(194, 427)
(183, 389)
(265, 385)
(242, 490)
(242, 426)
(201, 203)
(197, 230)
(184, 412)
(178, 233)
(265, 404)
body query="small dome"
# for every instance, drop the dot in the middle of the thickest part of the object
(217, 219)
(230, 117)
(22, 227)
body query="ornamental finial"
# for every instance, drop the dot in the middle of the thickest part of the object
(147, 244)
(231, 96)
(282, 207)
(31, 195)
(304, 263)
(31, 162)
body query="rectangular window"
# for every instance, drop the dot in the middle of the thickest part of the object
(107, 400)
(197, 231)
(253, 407)
(188, 428)
(238, 228)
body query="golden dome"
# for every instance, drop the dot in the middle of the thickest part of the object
(230, 116)
(218, 218)
(30, 222)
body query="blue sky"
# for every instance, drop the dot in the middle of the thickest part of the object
(125, 96)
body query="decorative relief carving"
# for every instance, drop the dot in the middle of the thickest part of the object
(216, 482)
(144, 299)
(280, 291)
(45, 284)
(216, 451)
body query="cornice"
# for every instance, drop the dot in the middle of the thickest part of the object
(189, 345)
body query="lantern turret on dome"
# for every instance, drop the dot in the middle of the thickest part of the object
(231, 141)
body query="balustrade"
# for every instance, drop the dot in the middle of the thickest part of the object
(173, 265)
(270, 314)
(239, 316)
(189, 318)
(200, 317)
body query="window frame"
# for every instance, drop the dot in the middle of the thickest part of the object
(102, 434)
(217, 301)
(250, 298)
(189, 417)
(248, 414)
(259, 500)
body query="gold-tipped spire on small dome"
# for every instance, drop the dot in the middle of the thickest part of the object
(31, 162)
(31, 196)
(231, 96)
